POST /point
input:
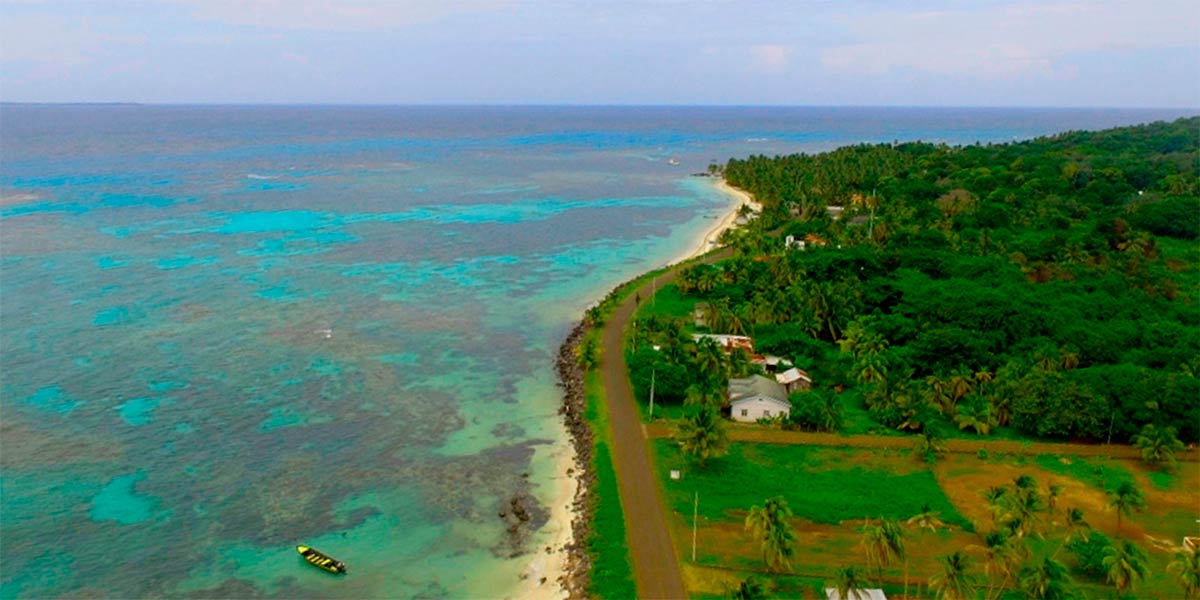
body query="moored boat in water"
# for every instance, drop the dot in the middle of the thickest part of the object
(321, 560)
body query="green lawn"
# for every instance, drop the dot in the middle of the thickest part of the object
(668, 302)
(824, 485)
(1100, 473)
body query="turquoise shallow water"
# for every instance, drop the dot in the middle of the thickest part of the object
(228, 330)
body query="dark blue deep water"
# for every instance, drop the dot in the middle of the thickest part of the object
(228, 330)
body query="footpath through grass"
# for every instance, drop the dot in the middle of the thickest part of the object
(823, 485)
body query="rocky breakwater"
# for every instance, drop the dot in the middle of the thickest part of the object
(576, 577)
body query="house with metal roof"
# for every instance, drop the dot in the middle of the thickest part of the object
(757, 397)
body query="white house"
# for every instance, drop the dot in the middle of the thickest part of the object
(757, 397)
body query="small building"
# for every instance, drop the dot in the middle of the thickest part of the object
(835, 212)
(790, 242)
(865, 594)
(794, 380)
(770, 363)
(757, 397)
(728, 343)
(700, 314)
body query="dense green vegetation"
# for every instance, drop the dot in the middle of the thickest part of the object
(1046, 288)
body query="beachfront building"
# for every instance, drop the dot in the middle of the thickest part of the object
(700, 314)
(757, 397)
(728, 343)
(794, 380)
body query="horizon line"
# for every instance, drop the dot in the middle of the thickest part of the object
(586, 105)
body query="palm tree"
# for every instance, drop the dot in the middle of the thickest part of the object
(711, 361)
(849, 584)
(927, 519)
(705, 393)
(750, 589)
(876, 547)
(1077, 528)
(929, 445)
(997, 499)
(1186, 569)
(975, 414)
(703, 435)
(1125, 564)
(952, 581)
(893, 538)
(1047, 581)
(1127, 499)
(769, 524)
(1052, 494)
(1002, 557)
(1158, 445)
(740, 364)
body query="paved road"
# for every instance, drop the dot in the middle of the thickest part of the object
(655, 566)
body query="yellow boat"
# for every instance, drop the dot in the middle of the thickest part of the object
(321, 560)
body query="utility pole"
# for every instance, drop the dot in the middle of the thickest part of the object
(695, 515)
(652, 373)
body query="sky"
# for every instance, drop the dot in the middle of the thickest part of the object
(1103, 53)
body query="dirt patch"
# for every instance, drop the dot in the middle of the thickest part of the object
(964, 478)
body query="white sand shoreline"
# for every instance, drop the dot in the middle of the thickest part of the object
(543, 577)
(708, 240)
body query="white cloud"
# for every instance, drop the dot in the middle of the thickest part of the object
(1010, 40)
(335, 15)
(772, 58)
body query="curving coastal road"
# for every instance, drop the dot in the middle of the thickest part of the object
(655, 566)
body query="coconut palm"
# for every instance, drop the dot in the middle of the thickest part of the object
(927, 519)
(929, 445)
(1046, 581)
(1125, 564)
(952, 582)
(1001, 557)
(1186, 569)
(1126, 499)
(876, 547)
(750, 589)
(710, 360)
(997, 499)
(770, 526)
(703, 435)
(975, 414)
(1077, 528)
(1158, 445)
(893, 538)
(850, 583)
(1053, 493)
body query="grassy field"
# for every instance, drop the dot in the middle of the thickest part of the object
(822, 485)
(831, 491)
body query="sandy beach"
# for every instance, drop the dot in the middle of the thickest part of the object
(542, 576)
(708, 240)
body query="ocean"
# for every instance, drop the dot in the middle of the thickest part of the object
(227, 330)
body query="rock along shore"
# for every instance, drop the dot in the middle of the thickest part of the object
(577, 574)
